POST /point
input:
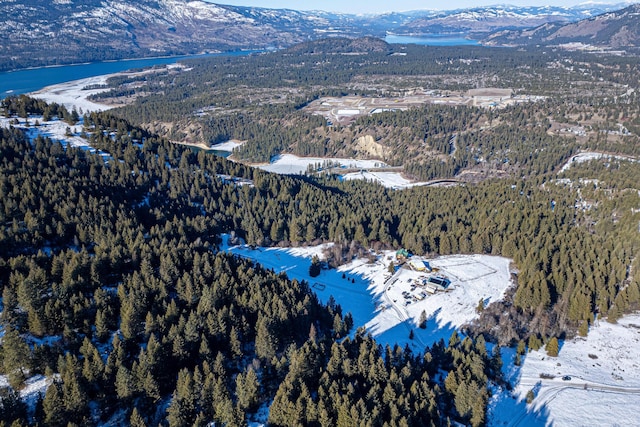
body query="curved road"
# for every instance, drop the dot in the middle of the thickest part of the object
(403, 314)
(553, 387)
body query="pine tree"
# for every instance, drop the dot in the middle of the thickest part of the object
(102, 325)
(247, 390)
(552, 347)
(422, 323)
(183, 409)
(53, 405)
(266, 343)
(136, 419)
(534, 342)
(583, 330)
(530, 396)
(314, 268)
(92, 367)
(125, 383)
(16, 357)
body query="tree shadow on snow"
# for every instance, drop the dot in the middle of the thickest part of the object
(508, 405)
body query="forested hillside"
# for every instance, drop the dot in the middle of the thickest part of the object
(266, 100)
(113, 287)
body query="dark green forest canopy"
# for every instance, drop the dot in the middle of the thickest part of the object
(552, 248)
(115, 264)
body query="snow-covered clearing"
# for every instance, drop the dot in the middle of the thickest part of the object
(592, 155)
(607, 361)
(601, 385)
(227, 146)
(388, 179)
(375, 298)
(289, 164)
(54, 129)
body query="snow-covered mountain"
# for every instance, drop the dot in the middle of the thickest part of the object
(499, 17)
(39, 32)
(619, 30)
(44, 32)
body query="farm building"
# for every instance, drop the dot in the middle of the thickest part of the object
(419, 265)
(402, 254)
(436, 284)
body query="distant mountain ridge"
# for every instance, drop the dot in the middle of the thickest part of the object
(617, 30)
(491, 18)
(38, 32)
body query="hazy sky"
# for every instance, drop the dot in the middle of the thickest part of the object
(379, 6)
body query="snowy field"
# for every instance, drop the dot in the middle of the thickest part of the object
(590, 155)
(73, 96)
(601, 385)
(607, 361)
(289, 164)
(388, 179)
(375, 298)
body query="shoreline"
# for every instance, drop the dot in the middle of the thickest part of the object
(142, 58)
(26, 80)
(72, 94)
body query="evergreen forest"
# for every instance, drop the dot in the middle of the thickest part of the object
(114, 287)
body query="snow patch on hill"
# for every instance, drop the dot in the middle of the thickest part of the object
(587, 156)
(56, 130)
(289, 164)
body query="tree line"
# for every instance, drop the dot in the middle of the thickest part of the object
(114, 290)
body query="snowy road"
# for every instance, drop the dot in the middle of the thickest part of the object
(550, 389)
(403, 314)
(579, 384)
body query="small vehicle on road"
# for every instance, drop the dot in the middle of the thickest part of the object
(566, 378)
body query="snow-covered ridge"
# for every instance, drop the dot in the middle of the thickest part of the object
(170, 12)
(94, 29)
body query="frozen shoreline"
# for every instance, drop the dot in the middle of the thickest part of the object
(72, 94)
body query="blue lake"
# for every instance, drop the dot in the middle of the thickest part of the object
(32, 79)
(432, 40)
